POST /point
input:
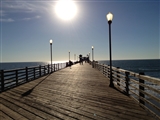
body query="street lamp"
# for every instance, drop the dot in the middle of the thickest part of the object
(74, 57)
(51, 53)
(92, 53)
(69, 55)
(89, 56)
(109, 17)
(92, 56)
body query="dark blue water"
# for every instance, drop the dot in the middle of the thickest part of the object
(149, 67)
(15, 65)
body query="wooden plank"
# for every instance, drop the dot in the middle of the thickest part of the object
(40, 114)
(150, 79)
(4, 116)
(12, 105)
(11, 113)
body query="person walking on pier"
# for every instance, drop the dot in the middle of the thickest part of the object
(70, 64)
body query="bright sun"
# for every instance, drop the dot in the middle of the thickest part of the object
(66, 9)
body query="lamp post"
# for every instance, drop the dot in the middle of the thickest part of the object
(51, 53)
(74, 58)
(89, 56)
(69, 55)
(109, 17)
(92, 56)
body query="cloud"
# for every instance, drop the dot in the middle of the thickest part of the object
(26, 19)
(7, 20)
(22, 9)
(37, 17)
(25, 6)
(31, 18)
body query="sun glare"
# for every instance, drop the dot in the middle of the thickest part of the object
(66, 9)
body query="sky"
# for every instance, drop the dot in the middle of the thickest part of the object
(28, 25)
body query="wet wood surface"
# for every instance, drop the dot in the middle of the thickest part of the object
(81, 92)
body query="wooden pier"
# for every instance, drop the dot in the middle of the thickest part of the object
(69, 94)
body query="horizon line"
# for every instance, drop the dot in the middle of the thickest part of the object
(62, 61)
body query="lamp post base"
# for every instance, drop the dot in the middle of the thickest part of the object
(111, 82)
(111, 85)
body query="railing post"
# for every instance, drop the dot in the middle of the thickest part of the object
(141, 88)
(51, 68)
(127, 83)
(16, 77)
(34, 70)
(58, 66)
(108, 71)
(118, 83)
(40, 71)
(48, 68)
(44, 70)
(26, 74)
(98, 67)
(93, 64)
(2, 80)
(103, 70)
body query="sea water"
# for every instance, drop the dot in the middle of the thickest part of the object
(16, 65)
(149, 67)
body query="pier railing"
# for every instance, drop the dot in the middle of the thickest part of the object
(144, 89)
(15, 77)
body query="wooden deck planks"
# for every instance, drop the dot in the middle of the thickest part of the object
(77, 93)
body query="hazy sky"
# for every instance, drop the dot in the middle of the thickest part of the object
(28, 25)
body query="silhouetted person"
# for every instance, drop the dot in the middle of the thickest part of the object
(81, 59)
(70, 64)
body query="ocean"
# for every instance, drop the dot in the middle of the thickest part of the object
(149, 67)
(16, 65)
